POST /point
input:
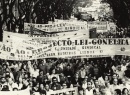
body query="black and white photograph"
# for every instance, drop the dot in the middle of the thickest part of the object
(64, 47)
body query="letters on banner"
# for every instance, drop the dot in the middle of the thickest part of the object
(66, 46)
(70, 91)
(56, 27)
(70, 26)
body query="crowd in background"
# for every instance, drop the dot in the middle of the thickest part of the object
(115, 33)
(93, 76)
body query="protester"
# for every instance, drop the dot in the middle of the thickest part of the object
(94, 76)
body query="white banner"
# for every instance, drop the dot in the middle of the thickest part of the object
(67, 45)
(70, 91)
(21, 92)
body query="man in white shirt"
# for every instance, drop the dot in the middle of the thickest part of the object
(89, 90)
(114, 85)
(124, 84)
(120, 72)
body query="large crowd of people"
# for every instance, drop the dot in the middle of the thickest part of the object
(115, 33)
(92, 76)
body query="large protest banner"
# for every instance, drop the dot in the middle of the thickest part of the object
(71, 91)
(56, 27)
(69, 45)
(87, 47)
(101, 26)
(21, 92)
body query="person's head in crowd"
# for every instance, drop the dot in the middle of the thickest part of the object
(64, 85)
(25, 82)
(96, 92)
(34, 79)
(117, 92)
(115, 81)
(98, 62)
(25, 66)
(107, 84)
(82, 68)
(47, 87)
(3, 80)
(5, 88)
(68, 66)
(123, 81)
(22, 70)
(41, 87)
(81, 91)
(103, 90)
(95, 65)
(29, 63)
(42, 92)
(54, 87)
(58, 65)
(87, 63)
(84, 81)
(76, 76)
(15, 89)
(96, 83)
(91, 62)
(35, 67)
(61, 75)
(124, 62)
(26, 76)
(7, 77)
(128, 67)
(54, 80)
(43, 62)
(37, 85)
(10, 81)
(53, 71)
(89, 85)
(5, 66)
(125, 91)
(106, 78)
(31, 84)
(20, 80)
(40, 73)
(115, 76)
(119, 67)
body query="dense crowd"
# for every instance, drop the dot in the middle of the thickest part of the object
(93, 76)
(115, 33)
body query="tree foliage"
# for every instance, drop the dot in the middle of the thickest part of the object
(15, 12)
(121, 10)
